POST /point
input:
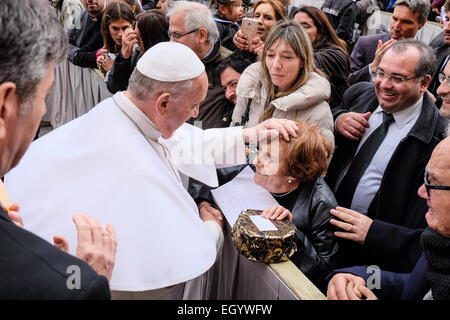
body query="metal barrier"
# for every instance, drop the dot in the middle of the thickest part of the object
(75, 92)
(234, 277)
(379, 22)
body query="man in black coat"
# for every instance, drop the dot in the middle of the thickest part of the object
(342, 16)
(441, 45)
(407, 19)
(432, 270)
(85, 37)
(31, 42)
(385, 214)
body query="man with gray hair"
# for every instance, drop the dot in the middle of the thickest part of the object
(32, 41)
(121, 162)
(193, 25)
(408, 18)
(385, 133)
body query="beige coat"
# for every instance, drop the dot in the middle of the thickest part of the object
(308, 103)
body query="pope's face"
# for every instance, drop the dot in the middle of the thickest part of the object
(186, 106)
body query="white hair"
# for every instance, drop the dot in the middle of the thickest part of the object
(196, 16)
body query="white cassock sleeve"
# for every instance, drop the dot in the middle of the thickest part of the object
(217, 233)
(197, 153)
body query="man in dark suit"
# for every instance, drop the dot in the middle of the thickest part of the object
(432, 270)
(408, 18)
(440, 44)
(385, 133)
(31, 42)
(84, 36)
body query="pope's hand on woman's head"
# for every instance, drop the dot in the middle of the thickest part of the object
(284, 127)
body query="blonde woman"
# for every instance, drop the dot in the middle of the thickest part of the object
(285, 84)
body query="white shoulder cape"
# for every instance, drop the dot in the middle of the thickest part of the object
(101, 164)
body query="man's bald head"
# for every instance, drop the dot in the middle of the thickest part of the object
(438, 174)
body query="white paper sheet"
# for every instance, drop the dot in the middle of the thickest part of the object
(241, 194)
(263, 224)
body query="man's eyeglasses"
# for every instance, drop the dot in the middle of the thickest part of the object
(442, 78)
(396, 79)
(178, 36)
(428, 186)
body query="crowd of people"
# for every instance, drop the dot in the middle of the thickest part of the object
(362, 168)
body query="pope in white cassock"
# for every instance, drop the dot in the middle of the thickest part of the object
(119, 163)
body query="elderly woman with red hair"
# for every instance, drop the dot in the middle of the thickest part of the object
(293, 175)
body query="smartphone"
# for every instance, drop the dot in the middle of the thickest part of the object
(249, 27)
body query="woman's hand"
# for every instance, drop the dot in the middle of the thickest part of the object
(107, 64)
(276, 212)
(256, 46)
(129, 39)
(102, 53)
(240, 40)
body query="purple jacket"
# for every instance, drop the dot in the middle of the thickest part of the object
(362, 55)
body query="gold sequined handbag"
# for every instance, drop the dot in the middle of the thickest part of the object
(264, 246)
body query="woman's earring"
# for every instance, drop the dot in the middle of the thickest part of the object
(289, 181)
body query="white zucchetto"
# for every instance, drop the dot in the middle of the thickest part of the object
(170, 62)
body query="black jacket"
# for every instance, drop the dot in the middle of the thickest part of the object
(395, 286)
(441, 50)
(342, 16)
(85, 38)
(227, 30)
(310, 206)
(33, 269)
(149, 4)
(121, 72)
(393, 240)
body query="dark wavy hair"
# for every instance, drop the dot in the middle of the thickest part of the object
(153, 26)
(236, 60)
(324, 28)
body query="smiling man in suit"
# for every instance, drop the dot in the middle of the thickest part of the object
(385, 133)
